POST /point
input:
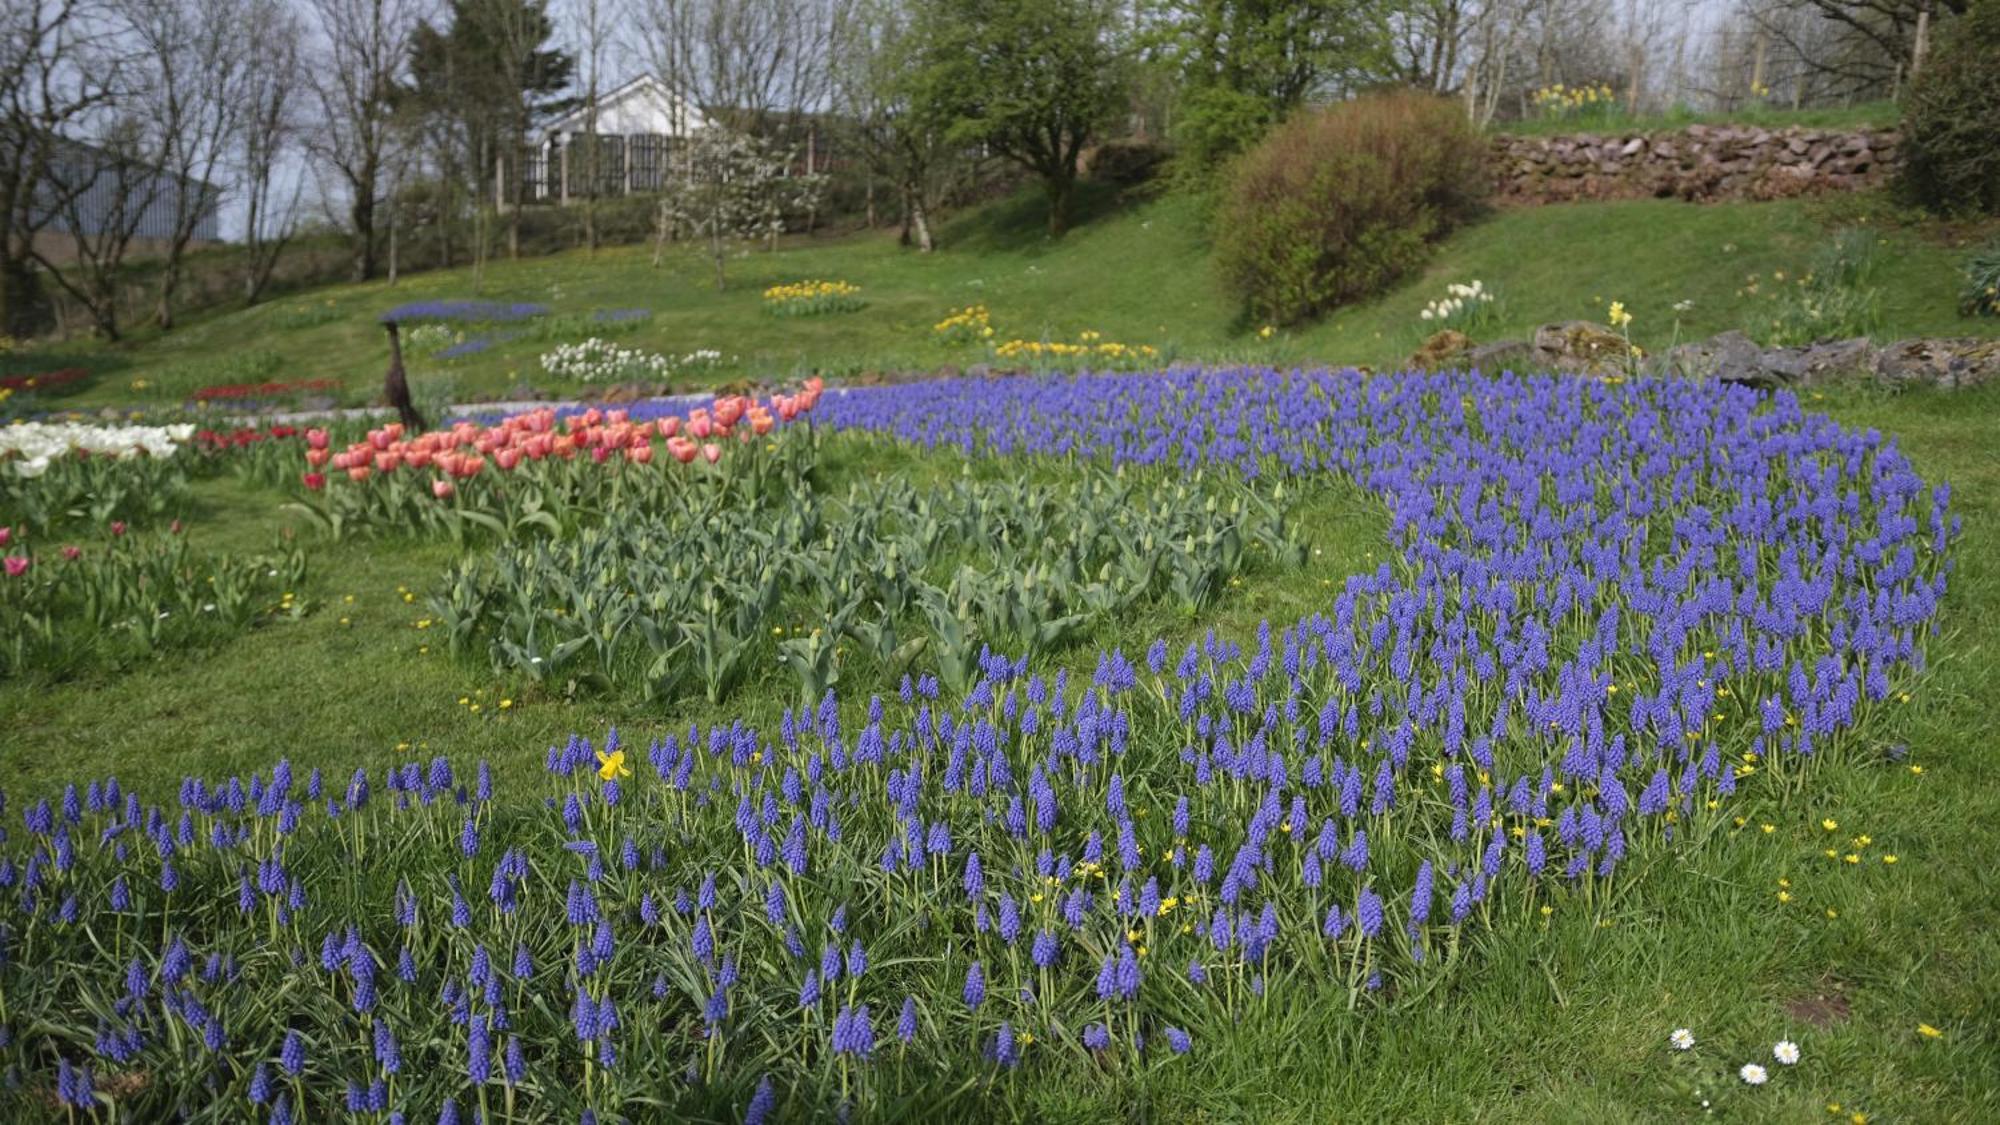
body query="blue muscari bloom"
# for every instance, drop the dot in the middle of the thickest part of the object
(513, 1064)
(975, 986)
(975, 878)
(1178, 1040)
(1096, 1037)
(387, 1052)
(1368, 913)
(762, 1103)
(906, 1024)
(809, 992)
(292, 1055)
(703, 941)
(830, 962)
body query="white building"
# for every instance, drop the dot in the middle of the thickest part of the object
(637, 126)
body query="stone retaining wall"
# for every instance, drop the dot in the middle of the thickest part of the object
(1701, 163)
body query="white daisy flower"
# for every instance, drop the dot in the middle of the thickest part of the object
(1754, 1075)
(1682, 1039)
(1786, 1052)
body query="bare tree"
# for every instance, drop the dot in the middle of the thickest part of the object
(52, 78)
(353, 81)
(263, 142)
(194, 56)
(759, 63)
(104, 193)
(871, 79)
(1864, 48)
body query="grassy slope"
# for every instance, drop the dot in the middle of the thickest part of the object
(1138, 275)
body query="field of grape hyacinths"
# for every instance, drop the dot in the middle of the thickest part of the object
(1617, 607)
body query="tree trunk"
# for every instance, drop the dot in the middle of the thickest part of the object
(920, 220)
(1922, 44)
(24, 305)
(1059, 188)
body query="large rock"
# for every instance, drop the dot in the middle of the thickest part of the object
(1948, 364)
(1445, 349)
(1579, 347)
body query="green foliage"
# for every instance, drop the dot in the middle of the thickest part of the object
(1951, 122)
(1339, 204)
(1030, 79)
(1981, 296)
(1834, 298)
(1247, 64)
(813, 584)
(93, 492)
(114, 598)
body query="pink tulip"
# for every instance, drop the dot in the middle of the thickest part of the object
(316, 439)
(640, 454)
(358, 472)
(117, 527)
(670, 426)
(388, 462)
(380, 439)
(174, 528)
(761, 424)
(6, 536)
(72, 553)
(507, 458)
(682, 449)
(442, 488)
(699, 425)
(599, 453)
(712, 451)
(16, 566)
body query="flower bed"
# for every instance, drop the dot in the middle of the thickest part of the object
(1620, 611)
(812, 298)
(269, 389)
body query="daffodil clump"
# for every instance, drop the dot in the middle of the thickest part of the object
(970, 325)
(1463, 307)
(812, 298)
(1088, 348)
(1559, 101)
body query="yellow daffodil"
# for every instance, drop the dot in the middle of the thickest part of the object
(612, 766)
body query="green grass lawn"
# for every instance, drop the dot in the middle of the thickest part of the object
(1138, 275)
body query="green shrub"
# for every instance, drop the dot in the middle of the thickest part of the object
(1951, 122)
(1981, 296)
(1832, 300)
(1337, 204)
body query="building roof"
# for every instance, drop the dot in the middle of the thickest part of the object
(645, 105)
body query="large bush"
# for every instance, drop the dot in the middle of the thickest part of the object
(1336, 204)
(1951, 122)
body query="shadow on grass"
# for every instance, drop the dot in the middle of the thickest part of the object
(1020, 223)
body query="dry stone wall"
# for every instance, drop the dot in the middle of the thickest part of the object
(1701, 163)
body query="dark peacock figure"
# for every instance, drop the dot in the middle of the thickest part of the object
(396, 385)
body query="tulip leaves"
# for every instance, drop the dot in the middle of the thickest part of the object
(768, 576)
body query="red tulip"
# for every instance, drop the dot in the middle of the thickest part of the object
(314, 481)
